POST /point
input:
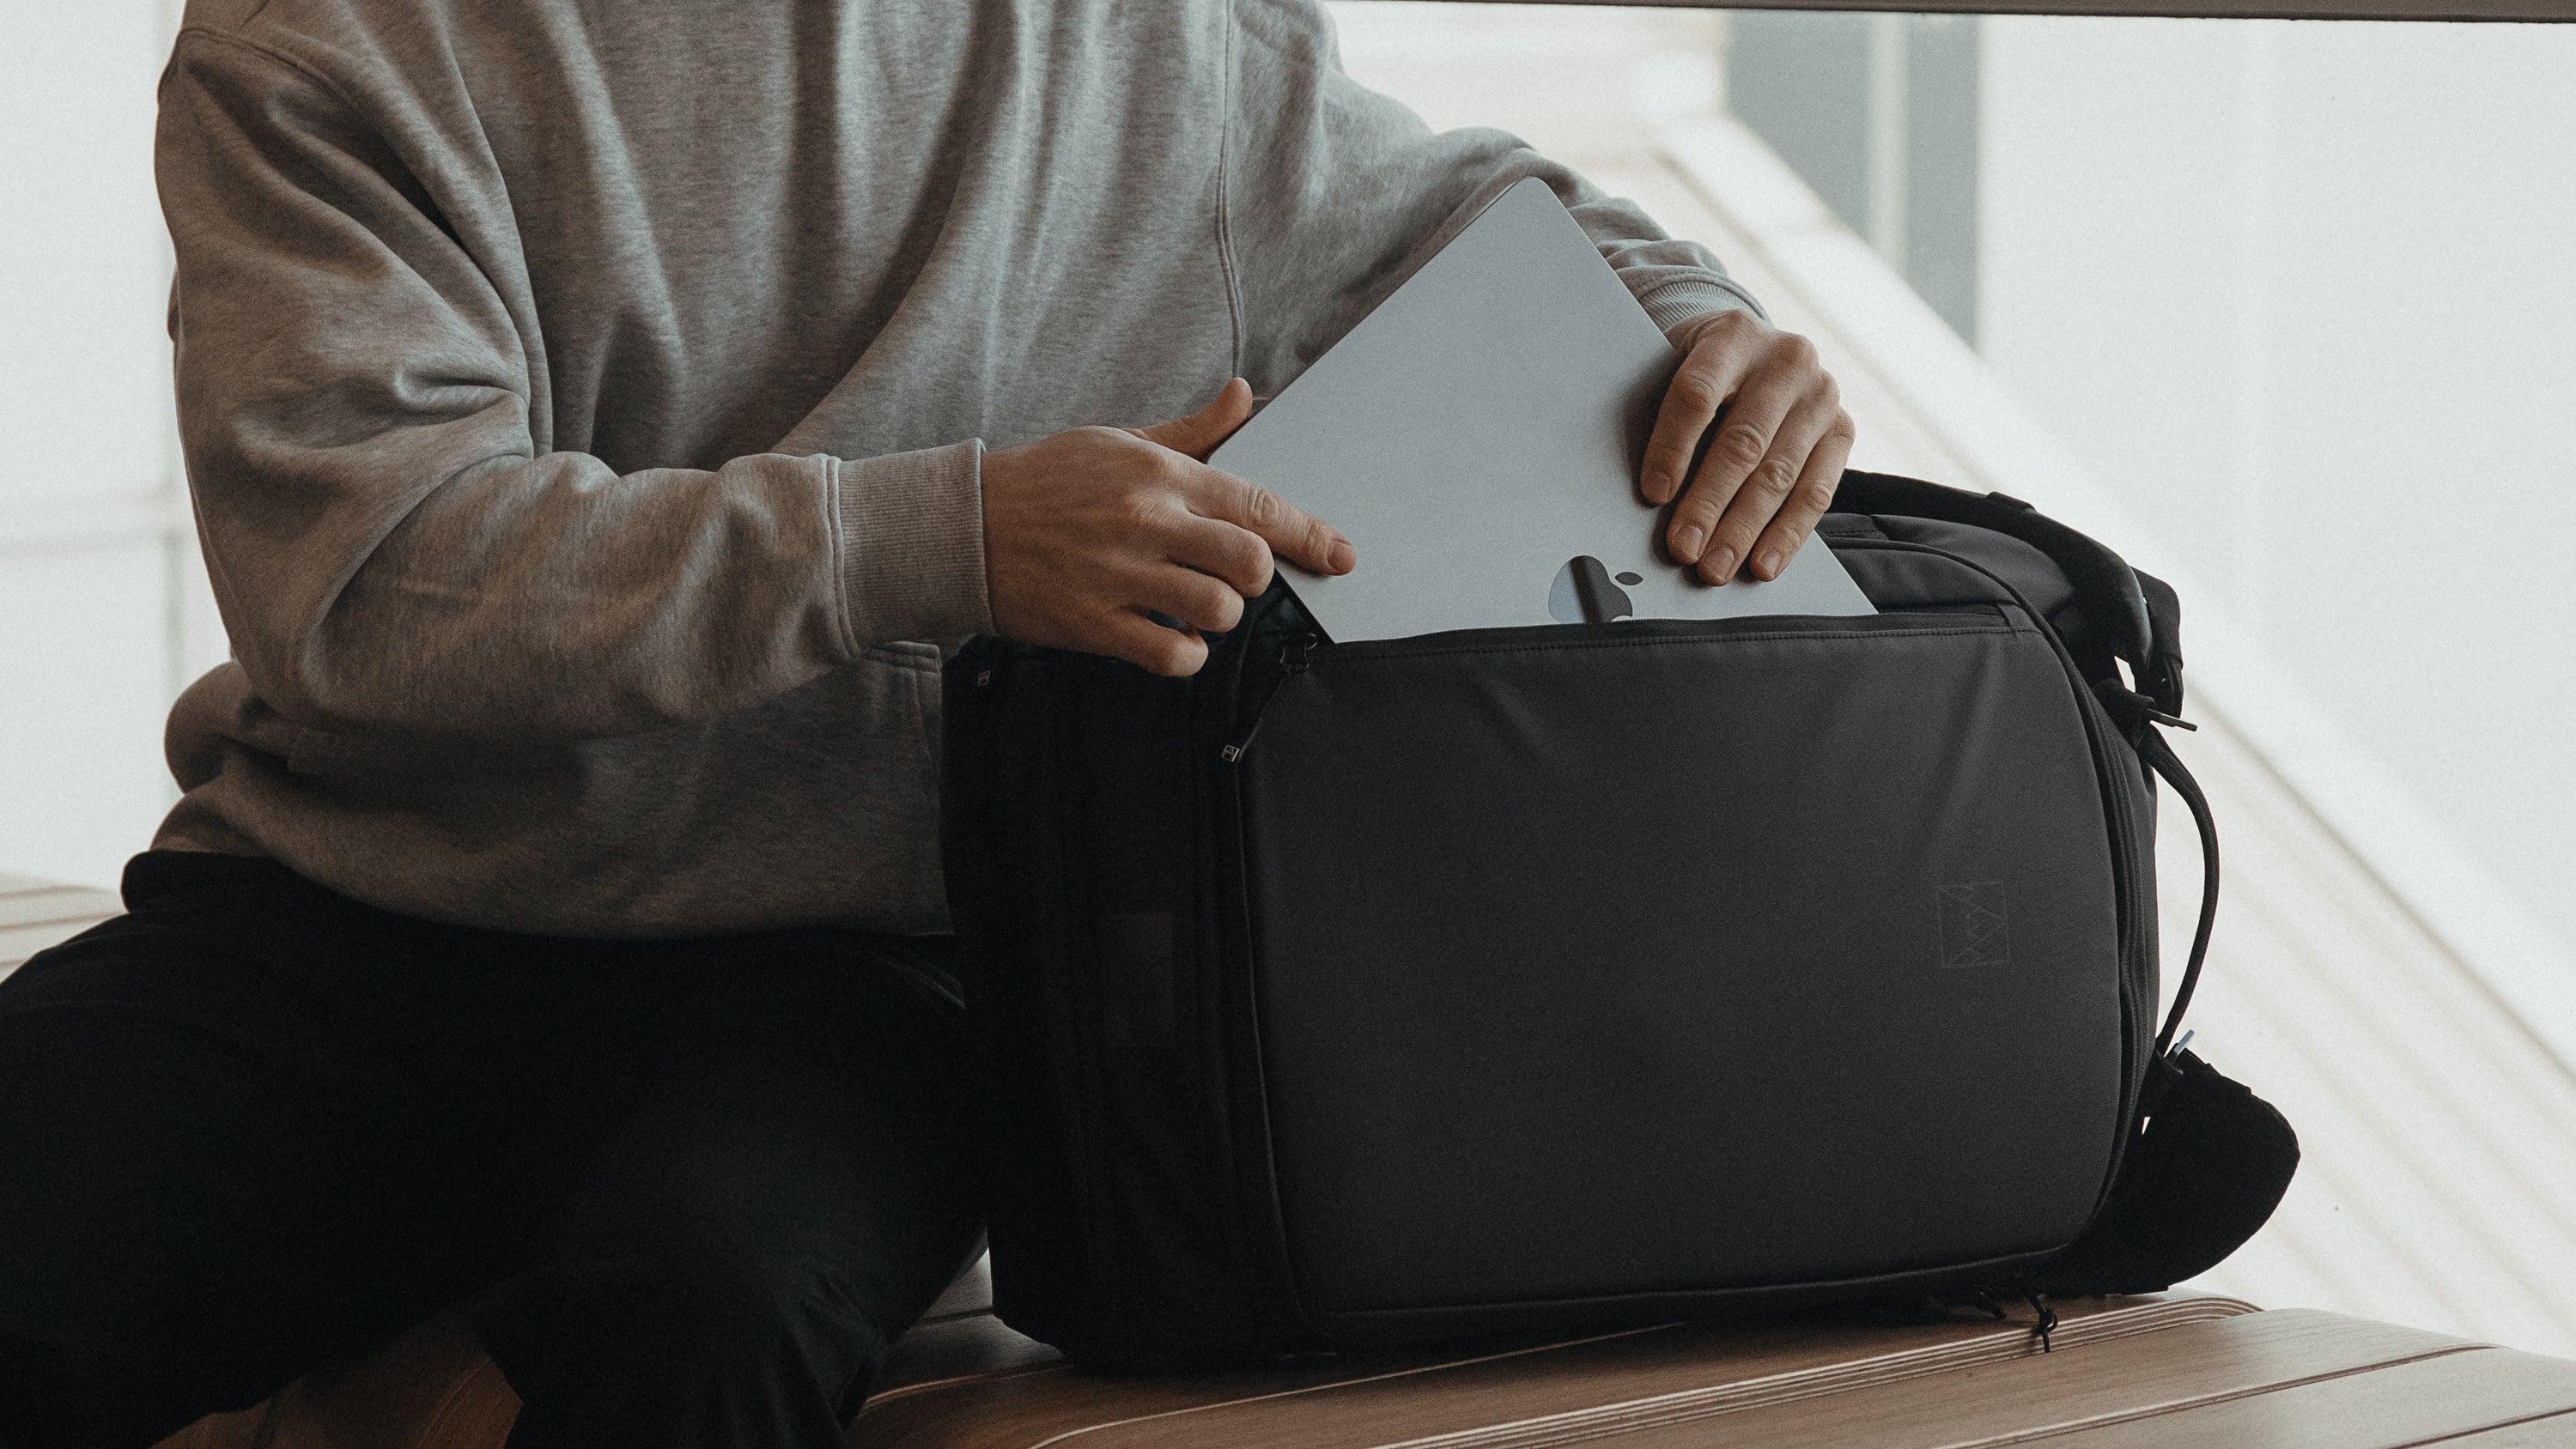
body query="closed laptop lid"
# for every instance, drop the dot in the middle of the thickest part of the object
(1476, 437)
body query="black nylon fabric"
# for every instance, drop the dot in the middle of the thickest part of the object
(690, 1189)
(2212, 1164)
(1563, 978)
(1077, 868)
(1547, 925)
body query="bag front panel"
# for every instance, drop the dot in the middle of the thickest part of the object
(1652, 959)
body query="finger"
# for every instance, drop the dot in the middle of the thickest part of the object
(1789, 529)
(1236, 556)
(1708, 377)
(1198, 434)
(1194, 598)
(1140, 641)
(1768, 487)
(1288, 529)
(1743, 440)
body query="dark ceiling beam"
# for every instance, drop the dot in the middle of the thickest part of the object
(2450, 10)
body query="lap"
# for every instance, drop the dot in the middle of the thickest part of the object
(202, 1173)
(757, 1227)
(245, 1144)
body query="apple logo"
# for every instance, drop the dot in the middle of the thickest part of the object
(1584, 593)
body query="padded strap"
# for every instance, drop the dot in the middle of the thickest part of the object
(2143, 623)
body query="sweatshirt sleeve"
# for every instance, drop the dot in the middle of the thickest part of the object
(390, 549)
(1335, 193)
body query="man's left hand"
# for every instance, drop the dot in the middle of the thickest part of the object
(1782, 439)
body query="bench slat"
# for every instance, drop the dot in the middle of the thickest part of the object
(2427, 1401)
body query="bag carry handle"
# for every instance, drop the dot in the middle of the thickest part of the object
(2141, 614)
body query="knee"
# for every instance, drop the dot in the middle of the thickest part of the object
(711, 1339)
(730, 1296)
(706, 1308)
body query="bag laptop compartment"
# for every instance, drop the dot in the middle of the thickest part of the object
(1560, 977)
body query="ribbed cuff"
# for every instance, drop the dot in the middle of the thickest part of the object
(912, 544)
(1675, 303)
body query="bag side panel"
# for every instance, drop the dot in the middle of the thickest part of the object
(1162, 1069)
(1975, 563)
(1008, 882)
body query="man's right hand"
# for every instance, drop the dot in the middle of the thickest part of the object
(1086, 531)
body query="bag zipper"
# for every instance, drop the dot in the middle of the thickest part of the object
(1295, 655)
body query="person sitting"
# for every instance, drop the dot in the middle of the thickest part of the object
(601, 416)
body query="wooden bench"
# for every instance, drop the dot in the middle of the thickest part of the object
(2173, 1369)
(2169, 1370)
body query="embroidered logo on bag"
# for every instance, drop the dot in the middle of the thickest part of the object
(1976, 928)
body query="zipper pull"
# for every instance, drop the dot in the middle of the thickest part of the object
(2118, 698)
(1294, 656)
(2047, 1319)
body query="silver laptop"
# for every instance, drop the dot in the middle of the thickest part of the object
(1476, 437)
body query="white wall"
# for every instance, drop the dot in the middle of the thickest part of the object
(2302, 292)
(102, 609)
(1589, 81)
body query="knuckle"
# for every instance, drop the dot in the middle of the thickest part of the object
(1263, 507)
(1700, 506)
(1695, 391)
(1251, 564)
(1740, 446)
(1774, 478)
(1798, 351)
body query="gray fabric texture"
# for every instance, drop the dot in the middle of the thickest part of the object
(583, 400)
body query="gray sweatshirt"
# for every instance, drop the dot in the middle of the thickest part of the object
(583, 400)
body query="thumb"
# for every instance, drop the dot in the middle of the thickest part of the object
(1200, 432)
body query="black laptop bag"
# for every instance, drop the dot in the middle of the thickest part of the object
(1565, 978)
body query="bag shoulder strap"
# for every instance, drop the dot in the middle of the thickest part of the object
(2160, 757)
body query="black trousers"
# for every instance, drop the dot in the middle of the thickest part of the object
(690, 1189)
